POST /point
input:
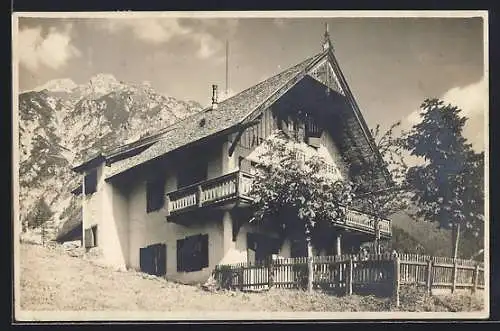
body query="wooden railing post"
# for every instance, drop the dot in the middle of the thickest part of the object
(167, 205)
(475, 279)
(429, 277)
(395, 290)
(454, 277)
(238, 183)
(198, 196)
(377, 236)
(270, 272)
(349, 276)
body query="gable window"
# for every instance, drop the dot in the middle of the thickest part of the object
(91, 237)
(192, 253)
(155, 194)
(91, 182)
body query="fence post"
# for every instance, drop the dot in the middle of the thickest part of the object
(270, 272)
(454, 277)
(396, 281)
(349, 277)
(475, 279)
(429, 277)
(240, 278)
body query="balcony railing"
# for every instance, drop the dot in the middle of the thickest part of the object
(237, 185)
(224, 188)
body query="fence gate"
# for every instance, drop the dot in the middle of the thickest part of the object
(152, 259)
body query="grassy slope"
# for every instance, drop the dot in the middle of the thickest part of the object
(52, 280)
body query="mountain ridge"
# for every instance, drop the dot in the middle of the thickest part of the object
(61, 122)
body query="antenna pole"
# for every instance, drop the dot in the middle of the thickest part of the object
(227, 68)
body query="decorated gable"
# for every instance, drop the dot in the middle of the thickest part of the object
(324, 74)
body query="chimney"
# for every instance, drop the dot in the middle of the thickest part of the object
(214, 97)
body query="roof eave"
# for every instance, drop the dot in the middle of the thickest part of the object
(90, 163)
(226, 131)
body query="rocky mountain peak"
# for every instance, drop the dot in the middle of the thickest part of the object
(62, 121)
(57, 85)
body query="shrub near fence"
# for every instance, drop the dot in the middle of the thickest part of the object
(380, 274)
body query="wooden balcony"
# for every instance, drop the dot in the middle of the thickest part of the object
(235, 187)
(215, 191)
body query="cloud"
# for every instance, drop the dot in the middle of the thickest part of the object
(163, 30)
(153, 31)
(53, 50)
(473, 101)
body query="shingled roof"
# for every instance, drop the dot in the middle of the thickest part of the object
(228, 114)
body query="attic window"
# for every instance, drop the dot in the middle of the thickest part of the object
(202, 122)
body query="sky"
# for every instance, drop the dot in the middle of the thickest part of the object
(391, 63)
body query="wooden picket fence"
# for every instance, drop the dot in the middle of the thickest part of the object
(381, 274)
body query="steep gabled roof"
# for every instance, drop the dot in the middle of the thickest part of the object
(228, 114)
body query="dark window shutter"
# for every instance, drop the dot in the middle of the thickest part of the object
(91, 182)
(142, 259)
(180, 266)
(162, 257)
(192, 253)
(251, 241)
(94, 235)
(89, 238)
(204, 251)
(155, 194)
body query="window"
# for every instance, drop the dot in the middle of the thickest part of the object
(262, 246)
(193, 171)
(155, 194)
(312, 128)
(153, 259)
(192, 253)
(298, 248)
(91, 182)
(91, 237)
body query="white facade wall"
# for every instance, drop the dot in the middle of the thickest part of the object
(107, 208)
(124, 226)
